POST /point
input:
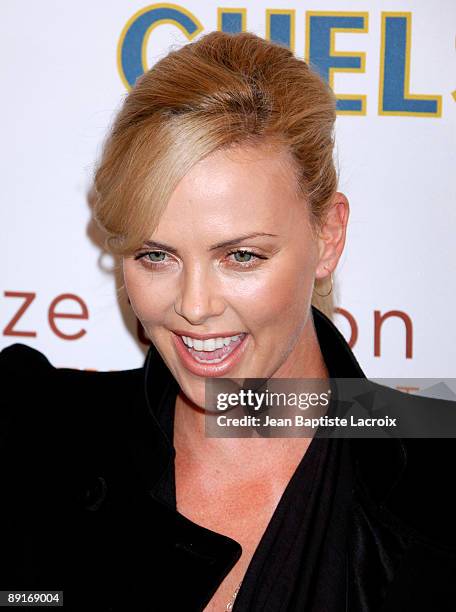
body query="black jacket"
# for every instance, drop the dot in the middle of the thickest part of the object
(80, 450)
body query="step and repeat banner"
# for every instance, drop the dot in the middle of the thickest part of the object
(66, 68)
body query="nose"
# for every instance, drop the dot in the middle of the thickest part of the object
(198, 297)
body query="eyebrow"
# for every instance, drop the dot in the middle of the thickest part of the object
(226, 243)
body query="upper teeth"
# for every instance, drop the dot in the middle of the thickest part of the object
(209, 345)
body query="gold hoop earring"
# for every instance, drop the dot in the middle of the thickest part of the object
(329, 292)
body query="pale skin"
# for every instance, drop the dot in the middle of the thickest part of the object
(233, 485)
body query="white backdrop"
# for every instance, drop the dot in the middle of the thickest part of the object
(62, 84)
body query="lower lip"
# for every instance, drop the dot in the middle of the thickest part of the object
(209, 369)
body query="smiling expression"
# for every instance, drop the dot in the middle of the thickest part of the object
(228, 273)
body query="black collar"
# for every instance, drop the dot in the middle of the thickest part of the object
(379, 463)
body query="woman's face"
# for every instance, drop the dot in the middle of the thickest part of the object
(233, 255)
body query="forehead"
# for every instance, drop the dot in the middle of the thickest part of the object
(237, 189)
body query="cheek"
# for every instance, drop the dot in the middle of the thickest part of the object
(149, 300)
(275, 298)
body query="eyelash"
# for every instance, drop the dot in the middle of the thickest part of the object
(153, 264)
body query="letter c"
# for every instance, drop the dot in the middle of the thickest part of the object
(132, 46)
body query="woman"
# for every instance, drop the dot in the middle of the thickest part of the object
(217, 188)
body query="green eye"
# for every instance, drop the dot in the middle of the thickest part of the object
(245, 256)
(152, 253)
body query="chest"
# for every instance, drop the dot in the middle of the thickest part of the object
(236, 509)
(240, 512)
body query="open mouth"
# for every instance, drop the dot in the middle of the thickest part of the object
(213, 356)
(214, 350)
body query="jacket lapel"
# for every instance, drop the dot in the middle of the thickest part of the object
(375, 544)
(378, 463)
(197, 558)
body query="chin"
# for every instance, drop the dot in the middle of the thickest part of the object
(195, 394)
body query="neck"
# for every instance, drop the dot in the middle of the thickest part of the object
(241, 458)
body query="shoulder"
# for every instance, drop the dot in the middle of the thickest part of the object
(60, 427)
(18, 356)
(27, 363)
(423, 496)
(37, 394)
(409, 474)
(25, 374)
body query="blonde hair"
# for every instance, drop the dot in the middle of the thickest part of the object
(220, 91)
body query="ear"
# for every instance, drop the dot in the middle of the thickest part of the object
(332, 234)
